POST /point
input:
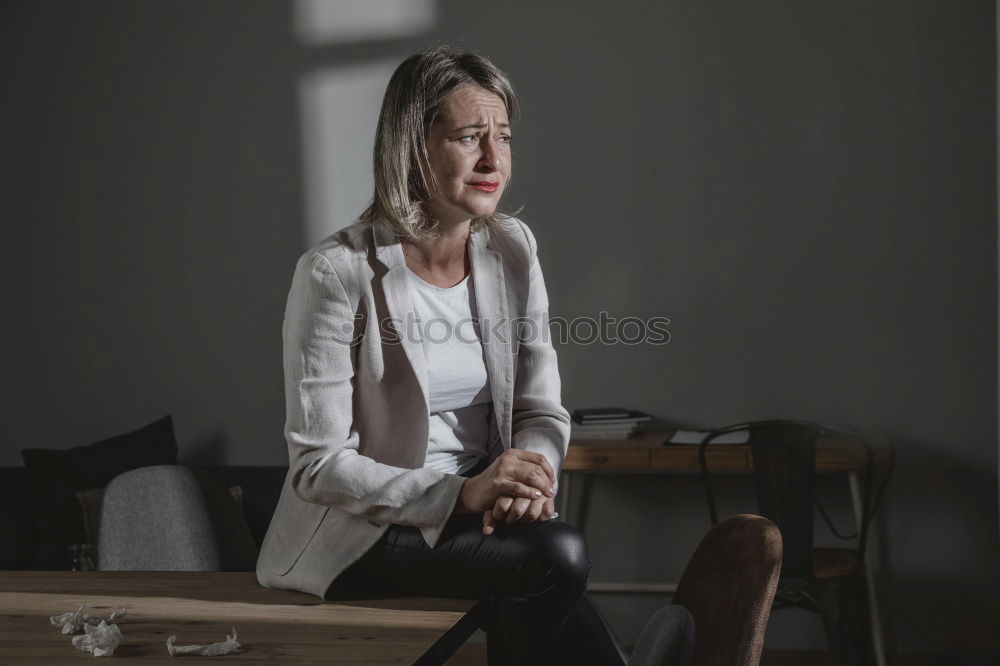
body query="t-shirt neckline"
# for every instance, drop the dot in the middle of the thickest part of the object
(433, 288)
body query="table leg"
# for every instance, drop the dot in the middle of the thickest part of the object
(876, 622)
(446, 646)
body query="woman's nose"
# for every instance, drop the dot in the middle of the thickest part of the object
(490, 159)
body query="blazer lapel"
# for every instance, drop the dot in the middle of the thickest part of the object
(494, 326)
(397, 299)
(491, 303)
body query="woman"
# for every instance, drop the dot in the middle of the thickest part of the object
(424, 428)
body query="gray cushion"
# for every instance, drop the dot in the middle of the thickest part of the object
(666, 640)
(172, 518)
(91, 500)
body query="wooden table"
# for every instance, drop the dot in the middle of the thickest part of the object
(203, 607)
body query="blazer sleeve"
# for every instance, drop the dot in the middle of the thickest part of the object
(319, 364)
(539, 422)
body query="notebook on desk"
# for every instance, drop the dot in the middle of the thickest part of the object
(593, 415)
(607, 422)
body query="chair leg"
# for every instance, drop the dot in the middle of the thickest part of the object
(843, 606)
(878, 641)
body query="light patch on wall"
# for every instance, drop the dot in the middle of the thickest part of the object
(340, 109)
(324, 22)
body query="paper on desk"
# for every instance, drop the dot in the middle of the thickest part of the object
(696, 437)
(227, 646)
(101, 640)
(74, 621)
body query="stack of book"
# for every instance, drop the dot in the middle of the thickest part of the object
(607, 423)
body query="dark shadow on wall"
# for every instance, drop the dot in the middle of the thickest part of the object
(207, 450)
(939, 514)
(157, 189)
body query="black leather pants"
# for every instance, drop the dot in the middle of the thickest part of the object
(532, 577)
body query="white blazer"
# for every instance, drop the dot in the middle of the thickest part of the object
(356, 396)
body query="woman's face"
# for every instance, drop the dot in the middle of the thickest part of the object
(468, 148)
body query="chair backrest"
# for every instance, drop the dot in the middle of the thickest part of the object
(728, 586)
(667, 639)
(172, 518)
(784, 465)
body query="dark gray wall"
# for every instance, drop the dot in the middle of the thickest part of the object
(807, 190)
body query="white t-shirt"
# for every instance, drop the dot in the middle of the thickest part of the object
(460, 395)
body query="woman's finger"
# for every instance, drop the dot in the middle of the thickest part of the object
(488, 523)
(517, 509)
(535, 511)
(503, 503)
(501, 507)
(535, 475)
(518, 489)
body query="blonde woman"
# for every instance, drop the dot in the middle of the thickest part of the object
(424, 427)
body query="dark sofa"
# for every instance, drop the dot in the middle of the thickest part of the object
(20, 546)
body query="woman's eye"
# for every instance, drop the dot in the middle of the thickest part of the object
(469, 139)
(506, 138)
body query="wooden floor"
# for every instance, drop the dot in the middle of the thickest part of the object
(475, 655)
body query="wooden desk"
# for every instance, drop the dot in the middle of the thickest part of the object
(202, 607)
(646, 453)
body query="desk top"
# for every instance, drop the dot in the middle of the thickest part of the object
(203, 607)
(645, 452)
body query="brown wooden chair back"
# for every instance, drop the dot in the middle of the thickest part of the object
(728, 586)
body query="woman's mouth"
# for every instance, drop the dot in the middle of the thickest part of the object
(485, 186)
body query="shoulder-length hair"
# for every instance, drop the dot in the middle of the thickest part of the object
(412, 102)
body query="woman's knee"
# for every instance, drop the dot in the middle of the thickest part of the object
(560, 551)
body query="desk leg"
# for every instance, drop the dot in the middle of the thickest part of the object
(564, 502)
(562, 495)
(877, 643)
(586, 483)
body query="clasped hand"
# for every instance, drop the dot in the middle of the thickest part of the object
(517, 510)
(517, 487)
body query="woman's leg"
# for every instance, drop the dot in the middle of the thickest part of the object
(587, 638)
(533, 576)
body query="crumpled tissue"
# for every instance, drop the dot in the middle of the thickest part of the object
(227, 646)
(101, 640)
(74, 621)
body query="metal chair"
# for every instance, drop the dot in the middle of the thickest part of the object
(829, 581)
